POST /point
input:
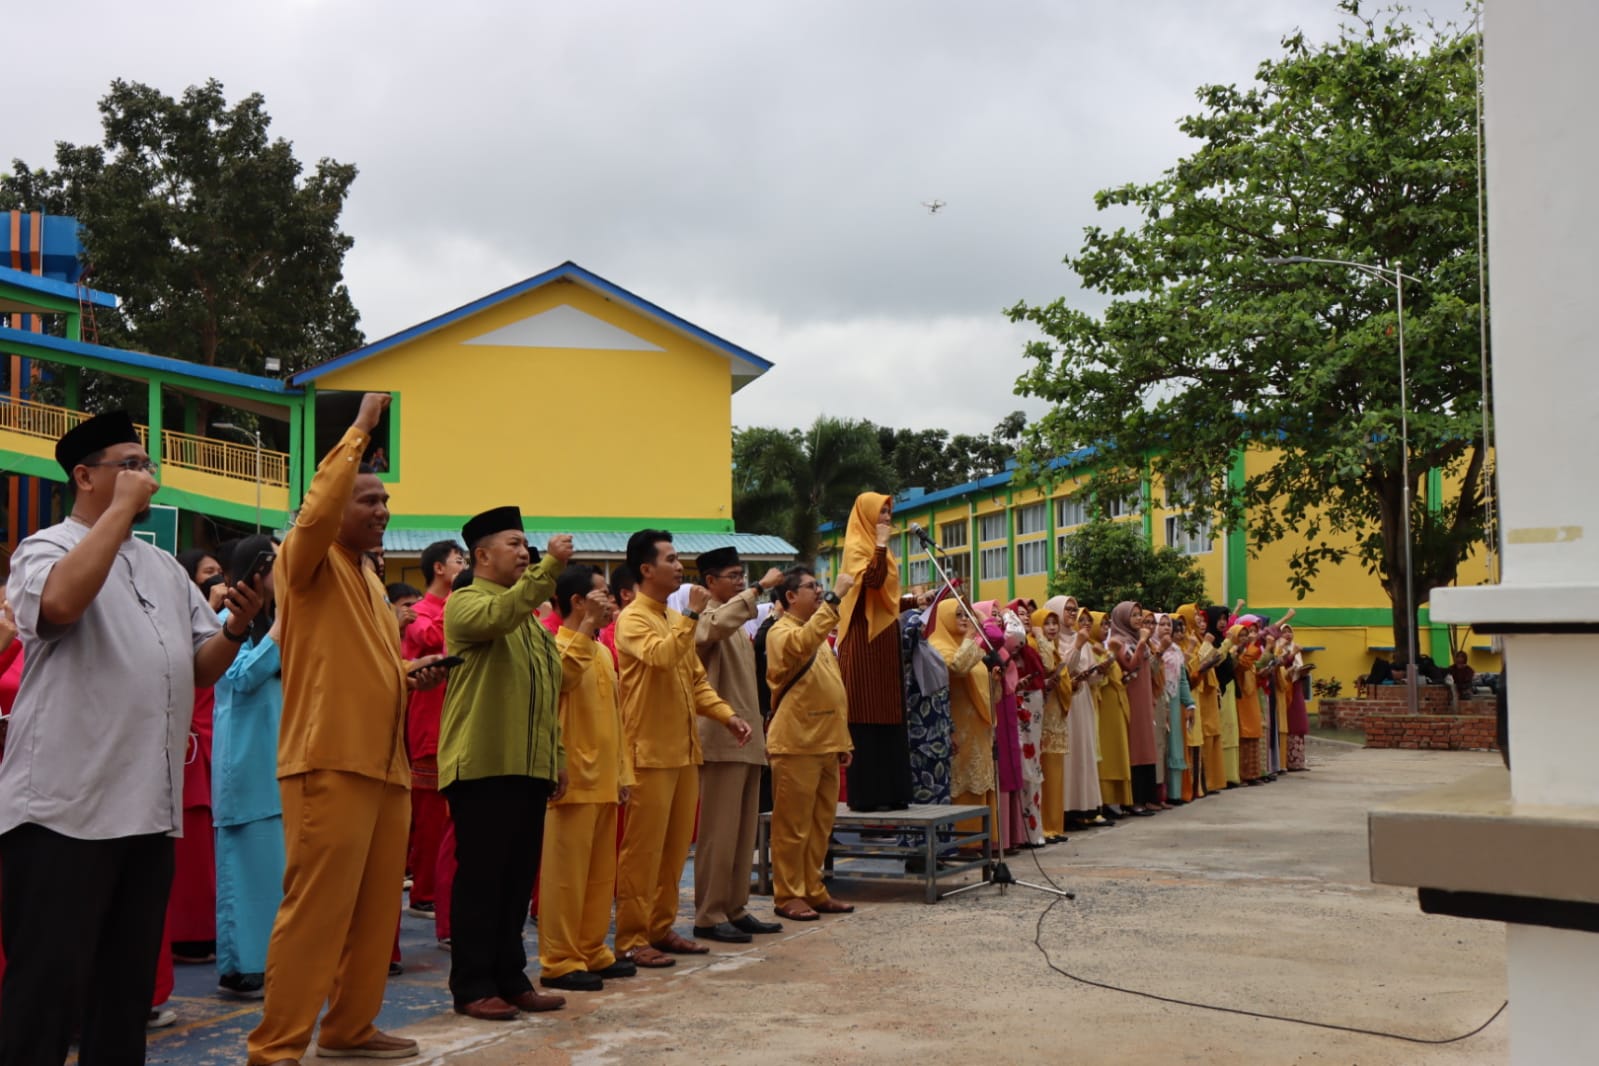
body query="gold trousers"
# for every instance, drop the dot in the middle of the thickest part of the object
(577, 883)
(345, 838)
(655, 842)
(804, 804)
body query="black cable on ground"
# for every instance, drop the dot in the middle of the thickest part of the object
(1038, 942)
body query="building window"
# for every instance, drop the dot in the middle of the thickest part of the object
(1196, 543)
(918, 572)
(1070, 511)
(959, 566)
(1123, 506)
(1031, 558)
(1062, 545)
(824, 569)
(991, 527)
(996, 563)
(1030, 519)
(1179, 492)
(952, 535)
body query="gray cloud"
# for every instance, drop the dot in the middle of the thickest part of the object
(755, 167)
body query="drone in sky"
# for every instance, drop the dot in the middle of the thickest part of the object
(933, 206)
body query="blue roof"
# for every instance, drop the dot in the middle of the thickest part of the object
(51, 287)
(567, 271)
(915, 501)
(141, 361)
(754, 545)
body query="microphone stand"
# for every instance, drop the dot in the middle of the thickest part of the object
(995, 871)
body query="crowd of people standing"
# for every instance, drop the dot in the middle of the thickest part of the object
(240, 755)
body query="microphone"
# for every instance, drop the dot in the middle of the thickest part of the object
(921, 535)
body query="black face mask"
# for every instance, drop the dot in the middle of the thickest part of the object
(211, 582)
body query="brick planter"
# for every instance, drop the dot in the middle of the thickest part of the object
(1383, 714)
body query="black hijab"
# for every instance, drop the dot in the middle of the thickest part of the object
(1216, 617)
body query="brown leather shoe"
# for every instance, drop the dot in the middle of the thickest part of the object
(381, 1046)
(677, 944)
(534, 1002)
(648, 958)
(488, 1009)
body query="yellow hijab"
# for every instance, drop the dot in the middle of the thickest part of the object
(860, 544)
(1188, 612)
(1036, 637)
(946, 640)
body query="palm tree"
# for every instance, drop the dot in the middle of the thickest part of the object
(788, 483)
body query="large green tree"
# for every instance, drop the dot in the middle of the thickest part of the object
(1363, 148)
(932, 459)
(789, 482)
(1104, 563)
(222, 249)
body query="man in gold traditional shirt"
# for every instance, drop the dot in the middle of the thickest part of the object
(663, 687)
(342, 769)
(579, 870)
(809, 743)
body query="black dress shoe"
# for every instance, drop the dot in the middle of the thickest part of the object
(619, 968)
(751, 924)
(726, 932)
(576, 981)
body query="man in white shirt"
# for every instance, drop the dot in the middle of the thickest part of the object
(116, 639)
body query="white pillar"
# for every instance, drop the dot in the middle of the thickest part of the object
(1543, 244)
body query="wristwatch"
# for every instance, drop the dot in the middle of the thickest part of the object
(831, 598)
(691, 614)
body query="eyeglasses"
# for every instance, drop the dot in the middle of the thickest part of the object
(808, 585)
(148, 466)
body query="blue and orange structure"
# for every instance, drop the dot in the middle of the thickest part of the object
(477, 389)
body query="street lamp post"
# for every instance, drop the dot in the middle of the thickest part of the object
(257, 437)
(1392, 275)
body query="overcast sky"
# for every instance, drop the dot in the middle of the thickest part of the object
(755, 167)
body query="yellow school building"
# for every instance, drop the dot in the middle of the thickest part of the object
(594, 410)
(1004, 540)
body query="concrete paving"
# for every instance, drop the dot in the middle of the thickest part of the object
(1257, 899)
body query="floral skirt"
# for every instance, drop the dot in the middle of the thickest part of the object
(928, 725)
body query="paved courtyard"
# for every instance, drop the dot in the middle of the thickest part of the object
(1257, 899)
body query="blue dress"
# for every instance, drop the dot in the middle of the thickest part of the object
(927, 715)
(246, 808)
(1176, 744)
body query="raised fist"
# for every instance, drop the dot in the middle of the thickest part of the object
(699, 597)
(373, 404)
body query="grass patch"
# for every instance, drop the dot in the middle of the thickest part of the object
(1351, 736)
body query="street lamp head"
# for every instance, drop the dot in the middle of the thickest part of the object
(1279, 260)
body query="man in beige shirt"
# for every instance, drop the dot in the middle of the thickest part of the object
(730, 780)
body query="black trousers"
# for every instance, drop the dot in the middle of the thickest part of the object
(499, 835)
(1144, 784)
(82, 924)
(879, 775)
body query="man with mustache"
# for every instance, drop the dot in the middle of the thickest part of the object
(342, 768)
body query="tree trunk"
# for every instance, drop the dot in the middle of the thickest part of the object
(1392, 509)
(806, 538)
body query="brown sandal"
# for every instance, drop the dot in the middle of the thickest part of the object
(678, 944)
(648, 957)
(793, 914)
(833, 906)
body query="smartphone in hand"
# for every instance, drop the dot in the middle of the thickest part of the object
(449, 662)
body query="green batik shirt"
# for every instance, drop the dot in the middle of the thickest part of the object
(501, 707)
